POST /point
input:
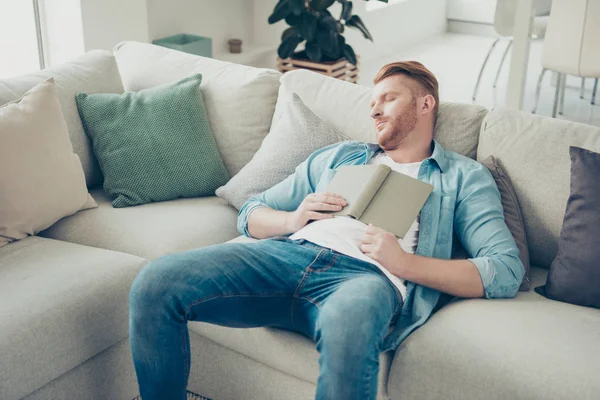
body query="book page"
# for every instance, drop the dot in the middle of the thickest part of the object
(349, 182)
(397, 203)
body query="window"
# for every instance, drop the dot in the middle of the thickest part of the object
(19, 50)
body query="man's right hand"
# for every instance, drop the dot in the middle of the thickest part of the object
(310, 209)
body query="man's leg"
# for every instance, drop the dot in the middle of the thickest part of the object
(355, 305)
(231, 284)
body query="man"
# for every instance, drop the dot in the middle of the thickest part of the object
(354, 289)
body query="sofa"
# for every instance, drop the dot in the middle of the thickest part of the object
(64, 292)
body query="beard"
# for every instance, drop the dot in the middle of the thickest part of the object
(397, 129)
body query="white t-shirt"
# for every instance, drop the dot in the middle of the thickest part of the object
(343, 234)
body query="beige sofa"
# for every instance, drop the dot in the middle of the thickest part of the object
(64, 293)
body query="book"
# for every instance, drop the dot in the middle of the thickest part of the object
(378, 195)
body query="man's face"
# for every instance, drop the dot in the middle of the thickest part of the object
(394, 110)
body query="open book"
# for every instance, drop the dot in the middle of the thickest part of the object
(380, 196)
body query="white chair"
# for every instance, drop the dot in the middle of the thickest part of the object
(504, 24)
(572, 46)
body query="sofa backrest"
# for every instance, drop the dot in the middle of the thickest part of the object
(94, 72)
(345, 106)
(239, 99)
(534, 152)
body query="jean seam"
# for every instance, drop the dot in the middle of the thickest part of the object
(221, 296)
(333, 260)
(300, 285)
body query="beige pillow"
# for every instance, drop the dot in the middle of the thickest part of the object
(41, 179)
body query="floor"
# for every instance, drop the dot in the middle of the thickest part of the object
(456, 60)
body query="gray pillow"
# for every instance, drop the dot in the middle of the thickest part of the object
(295, 136)
(512, 215)
(574, 275)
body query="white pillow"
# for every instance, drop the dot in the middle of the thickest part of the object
(345, 107)
(295, 136)
(41, 179)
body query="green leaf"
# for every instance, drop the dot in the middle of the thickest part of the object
(308, 26)
(356, 22)
(346, 10)
(282, 9)
(297, 6)
(289, 32)
(313, 51)
(327, 22)
(287, 46)
(320, 5)
(328, 42)
(293, 20)
(349, 54)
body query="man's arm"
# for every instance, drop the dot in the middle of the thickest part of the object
(270, 213)
(495, 269)
(456, 277)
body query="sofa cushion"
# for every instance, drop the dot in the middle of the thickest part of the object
(60, 304)
(150, 230)
(285, 351)
(295, 136)
(345, 106)
(534, 152)
(523, 348)
(93, 72)
(574, 275)
(155, 144)
(512, 215)
(239, 99)
(41, 180)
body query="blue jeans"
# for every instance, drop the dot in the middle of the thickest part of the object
(344, 304)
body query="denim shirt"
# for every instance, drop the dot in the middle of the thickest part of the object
(465, 201)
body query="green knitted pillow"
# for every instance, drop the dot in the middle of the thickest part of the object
(155, 144)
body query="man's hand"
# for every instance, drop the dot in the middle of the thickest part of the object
(383, 247)
(310, 207)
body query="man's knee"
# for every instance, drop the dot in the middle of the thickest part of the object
(153, 284)
(355, 320)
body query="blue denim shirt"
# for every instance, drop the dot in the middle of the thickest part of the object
(465, 201)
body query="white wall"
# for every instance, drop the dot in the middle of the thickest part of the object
(392, 27)
(108, 22)
(219, 19)
(480, 11)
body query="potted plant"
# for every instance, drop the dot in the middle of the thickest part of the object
(310, 21)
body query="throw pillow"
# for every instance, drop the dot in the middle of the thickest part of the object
(293, 137)
(574, 274)
(512, 215)
(155, 144)
(41, 179)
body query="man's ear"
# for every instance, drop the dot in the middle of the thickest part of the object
(428, 104)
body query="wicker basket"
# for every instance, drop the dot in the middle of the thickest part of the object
(340, 69)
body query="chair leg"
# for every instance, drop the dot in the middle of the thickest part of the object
(483, 67)
(537, 90)
(510, 42)
(594, 91)
(557, 94)
(582, 91)
(563, 88)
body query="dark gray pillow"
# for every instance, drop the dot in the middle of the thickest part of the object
(574, 275)
(512, 215)
(294, 137)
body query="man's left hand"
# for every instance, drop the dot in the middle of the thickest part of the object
(383, 247)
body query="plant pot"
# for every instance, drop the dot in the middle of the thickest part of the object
(235, 46)
(339, 69)
(198, 45)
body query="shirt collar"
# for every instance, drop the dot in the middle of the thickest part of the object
(438, 155)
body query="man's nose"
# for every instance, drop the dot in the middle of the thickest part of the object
(375, 112)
